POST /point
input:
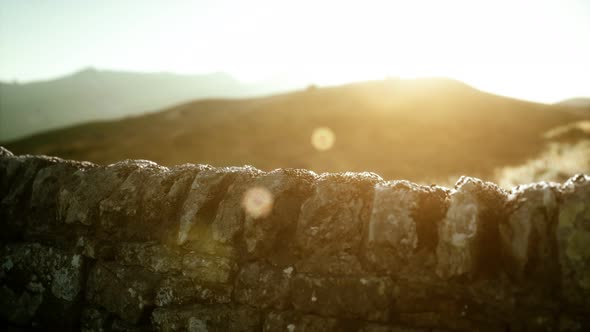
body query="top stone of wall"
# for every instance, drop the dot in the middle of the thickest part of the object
(533, 239)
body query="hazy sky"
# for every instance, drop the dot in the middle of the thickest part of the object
(538, 49)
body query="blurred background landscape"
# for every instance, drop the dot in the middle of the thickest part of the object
(423, 90)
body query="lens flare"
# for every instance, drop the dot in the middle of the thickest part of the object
(323, 138)
(257, 202)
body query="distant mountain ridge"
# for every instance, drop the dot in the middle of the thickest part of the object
(91, 94)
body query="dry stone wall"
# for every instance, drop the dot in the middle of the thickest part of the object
(135, 246)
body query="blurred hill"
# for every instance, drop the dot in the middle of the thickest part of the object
(423, 130)
(576, 102)
(567, 152)
(91, 94)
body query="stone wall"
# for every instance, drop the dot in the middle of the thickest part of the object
(137, 246)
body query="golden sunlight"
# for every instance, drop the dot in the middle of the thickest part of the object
(498, 46)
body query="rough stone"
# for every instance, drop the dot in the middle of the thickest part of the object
(18, 175)
(59, 271)
(404, 219)
(420, 295)
(94, 248)
(205, 194)
(468, 241)
(402, 233)
(229, 220)
(81, 196)
(94, 319)
(528, 235)
(163, 195)
(206, 318)
(263, 286)
(368, 298)
(20, 307)
(120, 213)
(433, 203)
(4, 153)
(292, 321)
(43, 224)
(179, 290)
(39, 284)
(8, 167)
(273, 234)
(391, 227)
(331, 264)
(332, 220)
(153, 256)
(395, 328)
(47, 183)
(123, 290)
(573, 239)
(208, 268)
(437, 321)
(156, 248)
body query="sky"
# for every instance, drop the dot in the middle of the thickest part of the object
(536, 50)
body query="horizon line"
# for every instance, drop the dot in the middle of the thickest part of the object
(300, 83)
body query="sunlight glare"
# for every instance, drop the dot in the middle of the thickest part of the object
(529, 49)
(257, 202)
(323, 138)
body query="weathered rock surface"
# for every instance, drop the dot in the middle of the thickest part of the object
(368, 298)
(40, 285)
(263, 286)
(206, 318)
(404, 219)
(468, 234)
(265, 235)
(201, 205)
(43, 220)
(156, 257)
(527, 232)
(179, 290)
(135, 246)
(332, 221)
(125, 291)
(573, 241)
(293, 321)
(208, 268)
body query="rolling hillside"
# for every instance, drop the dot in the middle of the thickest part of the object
(422, 130)
(90, 95)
